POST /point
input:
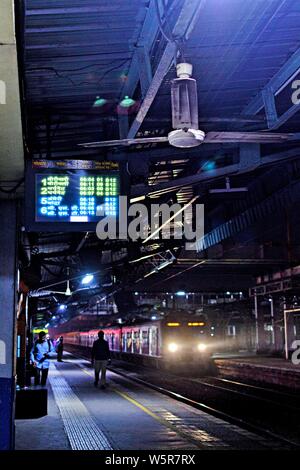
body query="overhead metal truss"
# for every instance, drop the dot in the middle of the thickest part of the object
(278, 201)
(184, 25)
(266, 98)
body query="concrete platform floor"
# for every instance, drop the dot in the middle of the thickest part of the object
(45, 433)
(125, 416)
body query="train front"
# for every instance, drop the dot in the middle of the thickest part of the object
(186, 341)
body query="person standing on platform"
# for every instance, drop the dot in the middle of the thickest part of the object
(60, 349)
(40, 353)
(100, 358)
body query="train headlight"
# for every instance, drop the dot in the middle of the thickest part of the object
(172, 347)
(202, 347)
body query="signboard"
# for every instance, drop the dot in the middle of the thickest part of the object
(36, 331)
(75, 165)
(66, 195)
(75, 197)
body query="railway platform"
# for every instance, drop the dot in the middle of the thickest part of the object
(125, 416)
(265, 370)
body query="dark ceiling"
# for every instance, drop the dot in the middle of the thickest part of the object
(244, 56)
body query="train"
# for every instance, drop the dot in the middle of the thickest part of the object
(173, 340)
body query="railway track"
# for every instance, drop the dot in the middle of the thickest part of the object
(252, 391)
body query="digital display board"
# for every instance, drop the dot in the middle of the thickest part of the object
(76, 197)
(66, 195)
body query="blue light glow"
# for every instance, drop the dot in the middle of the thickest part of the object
(209, 166)
(87, 279)
(180, 293)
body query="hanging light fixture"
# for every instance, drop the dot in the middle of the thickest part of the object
(127, 102)
(99, 102)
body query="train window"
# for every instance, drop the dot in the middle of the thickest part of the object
(154, 341)
(231, 331)
(136, 342)
(112, 341)
(129, 342)
(124, 343)
(117, 341)
(145, 341)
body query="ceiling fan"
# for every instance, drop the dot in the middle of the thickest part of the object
(186, 133)
(67, 292)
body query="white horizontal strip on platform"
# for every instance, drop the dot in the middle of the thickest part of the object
(82, 431)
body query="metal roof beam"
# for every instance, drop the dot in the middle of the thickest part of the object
(145, 71)
(277, 201)
(285, 117)
(148, 34)
(270, 106)
(281, 78)
(109, 7)
(183, 27)
(245, 165)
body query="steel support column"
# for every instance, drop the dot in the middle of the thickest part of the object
(8, 213)
(278, 336)
(145, 72)
(289, 334)
(260, 337)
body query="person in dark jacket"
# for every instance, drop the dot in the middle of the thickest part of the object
(100, 358)
(60, 349)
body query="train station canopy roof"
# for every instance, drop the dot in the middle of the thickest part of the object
(79, 62)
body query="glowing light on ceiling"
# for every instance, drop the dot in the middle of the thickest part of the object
(87, 279)
(99, 102)
(180, 293)
(127, 102)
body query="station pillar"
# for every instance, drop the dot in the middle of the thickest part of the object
(260, 335)
(289, 332)
(8, 281)
(278, 330)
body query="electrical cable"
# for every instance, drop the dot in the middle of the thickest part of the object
(58, 73)
(12, 190)
(161, 27)
(112, 69)
(35, 69)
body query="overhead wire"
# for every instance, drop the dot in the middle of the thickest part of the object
(59, 73)
(12, 190)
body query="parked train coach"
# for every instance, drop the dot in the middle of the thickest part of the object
(172, 341)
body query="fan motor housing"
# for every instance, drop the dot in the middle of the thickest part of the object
(184, 103)
(186, 138)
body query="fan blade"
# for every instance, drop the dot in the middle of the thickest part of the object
(251, 137)
(57, 292)
(112, 143)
